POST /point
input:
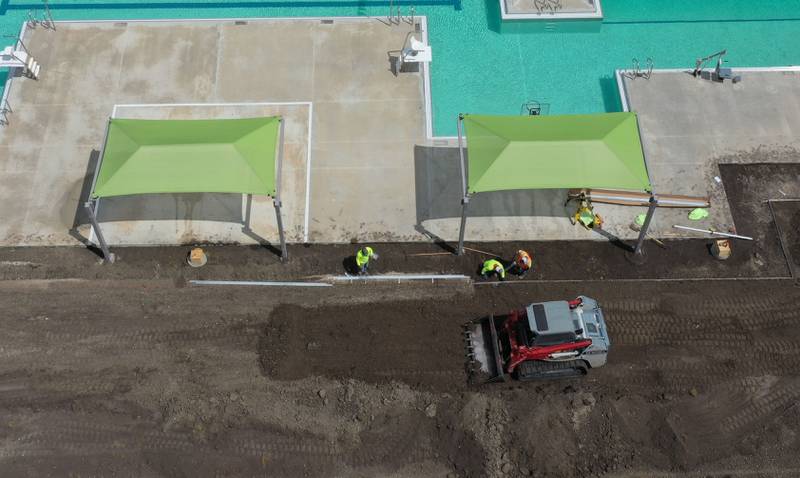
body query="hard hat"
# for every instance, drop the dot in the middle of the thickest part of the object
(364, 251)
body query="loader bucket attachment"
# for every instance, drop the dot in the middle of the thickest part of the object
(484, 360)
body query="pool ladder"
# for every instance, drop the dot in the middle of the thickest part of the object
(47, 22)
(637, 72)
(395, 17)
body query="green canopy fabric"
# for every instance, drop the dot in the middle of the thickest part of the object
(555, 152)
(189, 156)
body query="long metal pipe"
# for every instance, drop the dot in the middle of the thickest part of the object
(464, 196)
(461, 154)
(400, 277)
(713, 233)
(260, 283)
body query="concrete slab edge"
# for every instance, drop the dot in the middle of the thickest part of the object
(426, 83)
(746, 69)
(219, 19)
(598, 14)
(623, 92)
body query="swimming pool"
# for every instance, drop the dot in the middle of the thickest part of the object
(482, 65)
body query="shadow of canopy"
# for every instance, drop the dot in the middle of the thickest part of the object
(186, 206)
(438, 192)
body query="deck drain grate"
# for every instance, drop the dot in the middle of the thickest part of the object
(121, 24)
(326, 22)
(240, 22)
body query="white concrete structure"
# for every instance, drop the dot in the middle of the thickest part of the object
(550, 9)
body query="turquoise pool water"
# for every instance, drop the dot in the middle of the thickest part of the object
(484, 65)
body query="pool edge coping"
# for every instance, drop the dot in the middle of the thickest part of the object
(597, 15)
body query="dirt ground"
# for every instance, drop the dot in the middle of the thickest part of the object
(749, 187)
(142, 378)
(787, 219)
(130, 370)
(553, 260)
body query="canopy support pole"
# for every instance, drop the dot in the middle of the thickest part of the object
(462, 229)
(464, 195)
(107, 255)
(643, 232)
(276, 201)
(284, 253)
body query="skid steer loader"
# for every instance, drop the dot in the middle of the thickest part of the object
(544, 340)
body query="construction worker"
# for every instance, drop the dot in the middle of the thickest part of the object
(522, 263)
(586, 217)
(362, 259)
(493, 266)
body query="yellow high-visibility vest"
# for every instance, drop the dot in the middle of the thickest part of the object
(362, 258)
(492, 265)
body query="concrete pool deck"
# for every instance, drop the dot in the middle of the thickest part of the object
(332, 79)
(360, 165)
(689, 126)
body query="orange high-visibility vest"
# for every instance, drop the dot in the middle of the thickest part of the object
(523, 260)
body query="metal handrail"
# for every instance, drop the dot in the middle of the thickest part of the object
(636, 69)
(405, 42)
(19, 40)
(50, 22)
(4, 111)
(700, 63)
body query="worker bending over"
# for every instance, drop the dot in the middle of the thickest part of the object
(363, 257)
(493, 267)
(522, 263)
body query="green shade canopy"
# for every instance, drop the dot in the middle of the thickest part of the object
(555, 152)
(188, 156)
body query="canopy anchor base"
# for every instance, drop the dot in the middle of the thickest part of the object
(636, 258)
